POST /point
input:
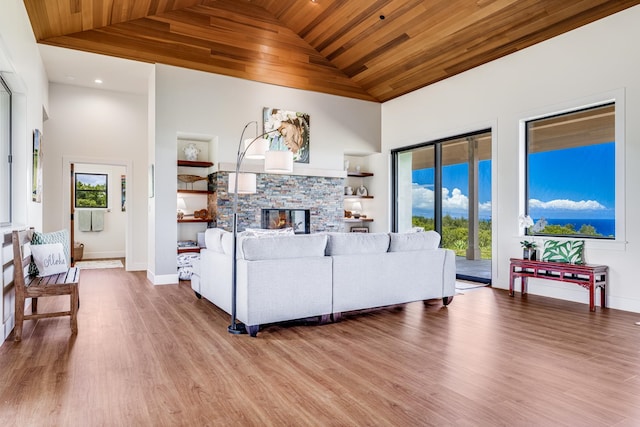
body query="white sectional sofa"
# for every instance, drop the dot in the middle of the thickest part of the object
(287, 277)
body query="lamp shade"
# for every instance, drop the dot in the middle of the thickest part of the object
(255, 148)
(246, 183)
(356, 206)
(278, 161)
(182, 206)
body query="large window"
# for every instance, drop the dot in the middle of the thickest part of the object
(5, 153)
(570, 173)
(91, 190)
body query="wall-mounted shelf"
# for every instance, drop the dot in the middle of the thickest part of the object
(359, 174)
(350, 220)
(188, 250)
(357, 197)
(195, 191)
(194, 220)
(194, 164)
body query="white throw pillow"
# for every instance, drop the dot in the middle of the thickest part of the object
(49, 259)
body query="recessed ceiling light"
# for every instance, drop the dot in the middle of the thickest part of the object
(98, 81)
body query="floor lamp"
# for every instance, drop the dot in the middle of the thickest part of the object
(245, 183)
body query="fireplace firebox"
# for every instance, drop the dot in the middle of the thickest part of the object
(298, 219)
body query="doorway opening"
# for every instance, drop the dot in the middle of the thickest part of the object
(445, 185)
(98, 214)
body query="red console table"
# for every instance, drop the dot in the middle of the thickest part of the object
(587, 276)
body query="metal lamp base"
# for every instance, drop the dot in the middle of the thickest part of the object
(237, 329)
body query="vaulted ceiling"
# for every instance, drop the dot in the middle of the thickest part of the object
(373, 50)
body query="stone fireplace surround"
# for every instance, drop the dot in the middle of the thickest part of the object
(320, 192)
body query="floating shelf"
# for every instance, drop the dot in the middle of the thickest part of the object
(359, 174)
(195, 191)
(358, 220)
(195, 220)
(194, 164)
(187, 250)
(357, 197)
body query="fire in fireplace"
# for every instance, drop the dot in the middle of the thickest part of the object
(298, 219)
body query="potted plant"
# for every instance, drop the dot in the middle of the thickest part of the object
(528, 249)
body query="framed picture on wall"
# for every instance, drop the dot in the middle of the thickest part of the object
(359, 229)
(36, 180)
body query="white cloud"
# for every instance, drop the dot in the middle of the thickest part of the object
(452, 201)
(564, 204)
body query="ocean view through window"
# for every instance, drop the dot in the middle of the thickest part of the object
(570, 173)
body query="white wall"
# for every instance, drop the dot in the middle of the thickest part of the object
(110, 242)
(93, 126)
(22, 68)
(589, 64)
(191, 102)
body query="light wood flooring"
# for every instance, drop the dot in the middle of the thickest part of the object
(157, 356)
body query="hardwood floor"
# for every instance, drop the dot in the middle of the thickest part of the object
(158, 356)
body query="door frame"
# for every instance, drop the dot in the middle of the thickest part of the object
(67, 197)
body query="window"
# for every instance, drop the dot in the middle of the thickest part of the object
(91, 190)
(570, 173)
(5, 154)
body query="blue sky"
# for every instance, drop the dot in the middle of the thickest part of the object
(91, 179)
(580, 189)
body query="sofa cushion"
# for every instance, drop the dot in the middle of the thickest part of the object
(213, 239)
(400, 242)
(282, 247)
(357, 243)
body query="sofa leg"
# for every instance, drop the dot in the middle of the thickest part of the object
(336, 317)
(447, 300)
(253, 330)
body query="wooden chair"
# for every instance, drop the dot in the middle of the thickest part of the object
(29, 286)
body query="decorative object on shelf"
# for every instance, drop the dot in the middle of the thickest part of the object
(528, 249)
(187, 244)
(292, 132)
(191, 152)
(190, 179)
(358, 169)
(348, 191)
(356, 209)
(182, 206)
(347, 214)
(359, 229)
(362, 191)
(242, 183)
(201, 214)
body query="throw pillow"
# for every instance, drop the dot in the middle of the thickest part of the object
(61, 236)
(49, 259)
(571, 251)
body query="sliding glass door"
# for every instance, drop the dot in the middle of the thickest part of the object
(445, 186)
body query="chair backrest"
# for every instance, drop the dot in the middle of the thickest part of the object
(21, 240)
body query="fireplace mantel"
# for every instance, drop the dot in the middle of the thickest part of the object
(257, 167)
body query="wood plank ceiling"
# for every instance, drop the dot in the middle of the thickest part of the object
(373, 50)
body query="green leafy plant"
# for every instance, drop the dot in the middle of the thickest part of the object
(529, 244)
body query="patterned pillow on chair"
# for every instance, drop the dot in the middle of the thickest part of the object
(571, 251)
(61, 236)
